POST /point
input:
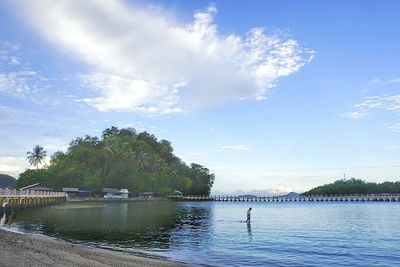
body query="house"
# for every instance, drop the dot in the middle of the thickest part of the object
(36, 187)
(146, 195)
(111, 193)
(84, 193)
(71, 192)
(76, 192)
(176, 193)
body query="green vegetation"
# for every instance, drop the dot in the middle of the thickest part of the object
(34, 176)
(355, 186)
(122, 158)
(7, 181)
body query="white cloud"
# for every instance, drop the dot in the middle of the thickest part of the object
(374, 82)
(11, 116)
(395, 127)
(15, 61)
(355, 114)
(17, 78)
(18, 83)
(392, 147)
(233, 148)
(197, 153)
(52, 144)
(130, 124)
(142, 61)
(390, 103)
(13, 165)
(125, 94)
(7, 50)
(379, 82)
(387, 103)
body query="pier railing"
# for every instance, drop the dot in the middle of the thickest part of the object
(31, 193)
(385, 197)
(29, 198)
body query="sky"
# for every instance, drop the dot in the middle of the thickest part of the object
(271, 96)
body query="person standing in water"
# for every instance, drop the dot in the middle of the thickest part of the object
(248, 215)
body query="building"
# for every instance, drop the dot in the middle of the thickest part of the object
(111, 193)
(76, 192)
(84, 193)
(71, 192)
(36, 187)
(146, 195)
(177, 193)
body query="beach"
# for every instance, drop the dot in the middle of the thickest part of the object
(18, 249)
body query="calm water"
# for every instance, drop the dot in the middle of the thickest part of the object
(214, 233)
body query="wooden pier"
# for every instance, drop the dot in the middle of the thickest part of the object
(23, 199)
(300, 198)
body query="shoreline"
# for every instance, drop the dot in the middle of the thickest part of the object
(20, 249)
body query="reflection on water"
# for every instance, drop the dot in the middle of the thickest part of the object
(307, 234)
(5, 217)
(150, 225)
(249, 231)
(2, 218)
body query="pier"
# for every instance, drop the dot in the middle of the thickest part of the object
(300, 198)
(29, 198)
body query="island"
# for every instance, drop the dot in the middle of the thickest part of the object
(121, 158)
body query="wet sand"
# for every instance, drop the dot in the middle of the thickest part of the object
(31, 250)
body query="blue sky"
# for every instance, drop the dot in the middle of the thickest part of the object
(270, 95)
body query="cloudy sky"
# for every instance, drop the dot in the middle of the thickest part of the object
(270, 95)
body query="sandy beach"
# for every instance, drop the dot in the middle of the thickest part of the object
(31, 250)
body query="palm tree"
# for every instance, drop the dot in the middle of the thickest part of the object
(37, 156)
(142, 160)
(110, 149)
(128, 156)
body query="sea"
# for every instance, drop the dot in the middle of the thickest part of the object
(216, 234)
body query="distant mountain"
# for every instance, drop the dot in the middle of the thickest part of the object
(7, 181)
(291, 194)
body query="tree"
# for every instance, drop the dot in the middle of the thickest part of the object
(37, 156)
(142, 160)
(125, 159)
(166, 151)
(110, 149)
(30, 177)
(354, 186)
(202, 180)
(128, 155)
(109, 132)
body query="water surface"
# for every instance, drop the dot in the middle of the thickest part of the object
(214, 233)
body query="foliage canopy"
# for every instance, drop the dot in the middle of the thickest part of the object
(123, 158)
(355, 186)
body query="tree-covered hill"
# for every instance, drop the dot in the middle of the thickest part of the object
(122, 158)
(7, 181)
(355, 186)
